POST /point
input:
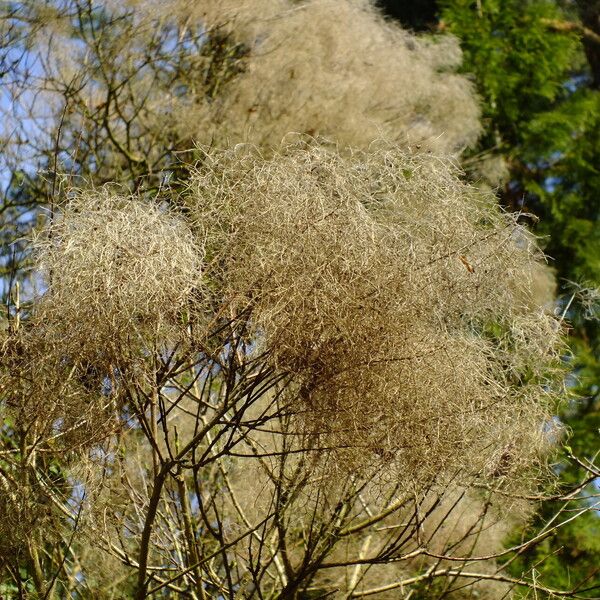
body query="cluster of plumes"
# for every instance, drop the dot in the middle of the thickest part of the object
(399, 305)
(119, 274)
(396, 297)
(352, 76)
(396, 301)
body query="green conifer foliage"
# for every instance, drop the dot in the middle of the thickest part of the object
(534, 69)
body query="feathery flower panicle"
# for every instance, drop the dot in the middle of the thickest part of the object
(352, 77)
(396, 297)
(119, 274)
(321, 67)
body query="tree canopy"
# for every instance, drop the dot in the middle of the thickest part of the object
(299, 299)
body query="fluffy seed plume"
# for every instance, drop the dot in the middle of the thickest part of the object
(323, 67)
(119, 273)
(352, 77)
(396, 296)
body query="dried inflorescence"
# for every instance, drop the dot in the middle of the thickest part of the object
(351, 76)
(119, 274)
(392, 320)
(395, 296)
(387, 305)
(321, 67)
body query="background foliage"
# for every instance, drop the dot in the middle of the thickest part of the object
(535, 65)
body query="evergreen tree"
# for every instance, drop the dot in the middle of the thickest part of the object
(541, 112)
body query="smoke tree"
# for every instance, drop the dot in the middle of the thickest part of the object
(270, 344)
